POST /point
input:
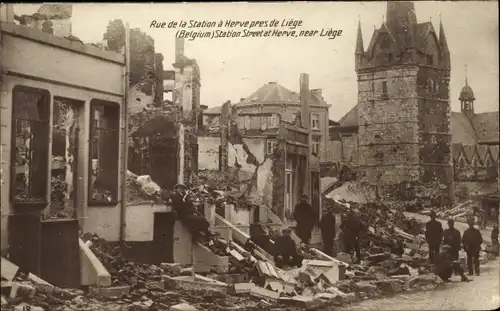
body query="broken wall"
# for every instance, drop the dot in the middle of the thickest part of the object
(99, 75)
(208, 148)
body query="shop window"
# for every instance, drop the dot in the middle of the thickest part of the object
(30, 137)
(65, 134)
(104, 152)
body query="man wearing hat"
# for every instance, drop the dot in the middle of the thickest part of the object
(187, 214)
(433, 236)
(351, 228)
(472, 240)
(451, 237)
(286, 253)
(446, 265)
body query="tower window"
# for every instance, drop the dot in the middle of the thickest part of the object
(384, 87)
(430, 60)
(389, 57)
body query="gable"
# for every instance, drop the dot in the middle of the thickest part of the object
(470, 152)
(494, 150)
(350, 118)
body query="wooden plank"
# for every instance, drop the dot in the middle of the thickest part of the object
(9, 270)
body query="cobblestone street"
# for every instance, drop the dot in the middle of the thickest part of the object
(480, 294)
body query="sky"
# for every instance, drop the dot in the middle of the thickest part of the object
(232, 68)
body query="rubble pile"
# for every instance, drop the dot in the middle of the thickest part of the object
(122, 270)
(459, 212)
(136, 194)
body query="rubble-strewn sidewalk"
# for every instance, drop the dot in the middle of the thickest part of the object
(392, 246)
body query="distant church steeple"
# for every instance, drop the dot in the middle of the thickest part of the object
(467, 97)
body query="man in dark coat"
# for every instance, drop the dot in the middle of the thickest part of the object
(187, 214)
(446, 265)
(451, 237)
(306, 217)
(286, 253)
(494, 240)
(351, 229)
(433, 236)
(327, 226)
(472, 241)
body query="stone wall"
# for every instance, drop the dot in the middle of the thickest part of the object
(434, 120)
(388, 129)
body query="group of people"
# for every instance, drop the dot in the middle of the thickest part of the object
(444, 247)
(306, 217)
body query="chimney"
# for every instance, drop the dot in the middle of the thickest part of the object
(304, 100)
(179, 49)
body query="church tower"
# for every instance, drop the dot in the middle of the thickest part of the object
(403, 104)
(467, 98)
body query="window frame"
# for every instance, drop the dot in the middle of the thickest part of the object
(47, 96)
(315, 117)
(384, 88)
(96, 103)
(315, 145)
(271, 142)
(429, 60)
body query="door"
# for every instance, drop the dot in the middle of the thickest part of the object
(163, 237)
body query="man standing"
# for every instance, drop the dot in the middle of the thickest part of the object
(433, 236)
(351, 228)
(494, 240)
(305, 216)
(327, 226)
(286, 253)
(451, 237)
(472, 241)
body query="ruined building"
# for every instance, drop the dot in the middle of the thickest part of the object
(401, 132)
(155, 129)
(286, 135)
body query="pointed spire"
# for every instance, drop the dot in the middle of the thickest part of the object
(359, 40)
(444, 45)
(466, 81)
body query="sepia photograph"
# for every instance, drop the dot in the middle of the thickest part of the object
(243, 156)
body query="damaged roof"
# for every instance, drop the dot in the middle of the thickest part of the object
(271, 93)
(56, 11)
